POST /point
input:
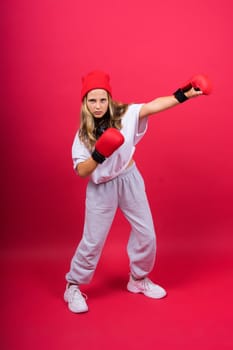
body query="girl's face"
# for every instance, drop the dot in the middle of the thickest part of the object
(97, 102)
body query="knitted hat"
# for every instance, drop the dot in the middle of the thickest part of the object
(95, 80)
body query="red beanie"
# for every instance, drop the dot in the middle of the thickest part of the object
(95, 80)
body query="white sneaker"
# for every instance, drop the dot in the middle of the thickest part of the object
(147, 287)
(75, 299)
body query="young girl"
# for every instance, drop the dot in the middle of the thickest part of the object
(103, 150)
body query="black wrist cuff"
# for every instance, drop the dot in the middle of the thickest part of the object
(99, 158)
(180, 96)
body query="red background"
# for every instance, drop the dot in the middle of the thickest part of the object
(149, 48)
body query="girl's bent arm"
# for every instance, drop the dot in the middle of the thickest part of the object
(87, 167)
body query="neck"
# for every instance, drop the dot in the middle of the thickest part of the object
(101, 124)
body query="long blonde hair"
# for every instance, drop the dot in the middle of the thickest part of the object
(87, 126)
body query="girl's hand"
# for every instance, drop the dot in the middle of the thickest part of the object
(193, 93)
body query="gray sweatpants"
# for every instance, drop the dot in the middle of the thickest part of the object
(127, 191)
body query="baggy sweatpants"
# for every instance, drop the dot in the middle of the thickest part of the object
(127, 191)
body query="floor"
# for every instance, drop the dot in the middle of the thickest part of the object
(196, 314)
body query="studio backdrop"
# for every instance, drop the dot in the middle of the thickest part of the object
(149, 49)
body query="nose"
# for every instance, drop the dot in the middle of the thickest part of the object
(97, 106)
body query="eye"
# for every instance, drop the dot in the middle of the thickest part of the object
(91, 100)
(103, 100)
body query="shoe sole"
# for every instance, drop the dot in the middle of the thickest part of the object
(78, 311)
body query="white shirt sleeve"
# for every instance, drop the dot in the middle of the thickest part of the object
(79, 151)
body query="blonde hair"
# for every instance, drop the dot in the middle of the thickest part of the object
(87, 134)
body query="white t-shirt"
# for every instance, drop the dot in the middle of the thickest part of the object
(133, 130)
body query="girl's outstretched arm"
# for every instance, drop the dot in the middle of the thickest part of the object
(162, 103)
(198, 85)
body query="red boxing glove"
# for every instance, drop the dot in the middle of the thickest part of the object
(201, 82)
(198, 82)
(108, 143)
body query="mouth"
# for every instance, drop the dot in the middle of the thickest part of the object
(98, 113)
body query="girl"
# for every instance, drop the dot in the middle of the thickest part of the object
(103, 150)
